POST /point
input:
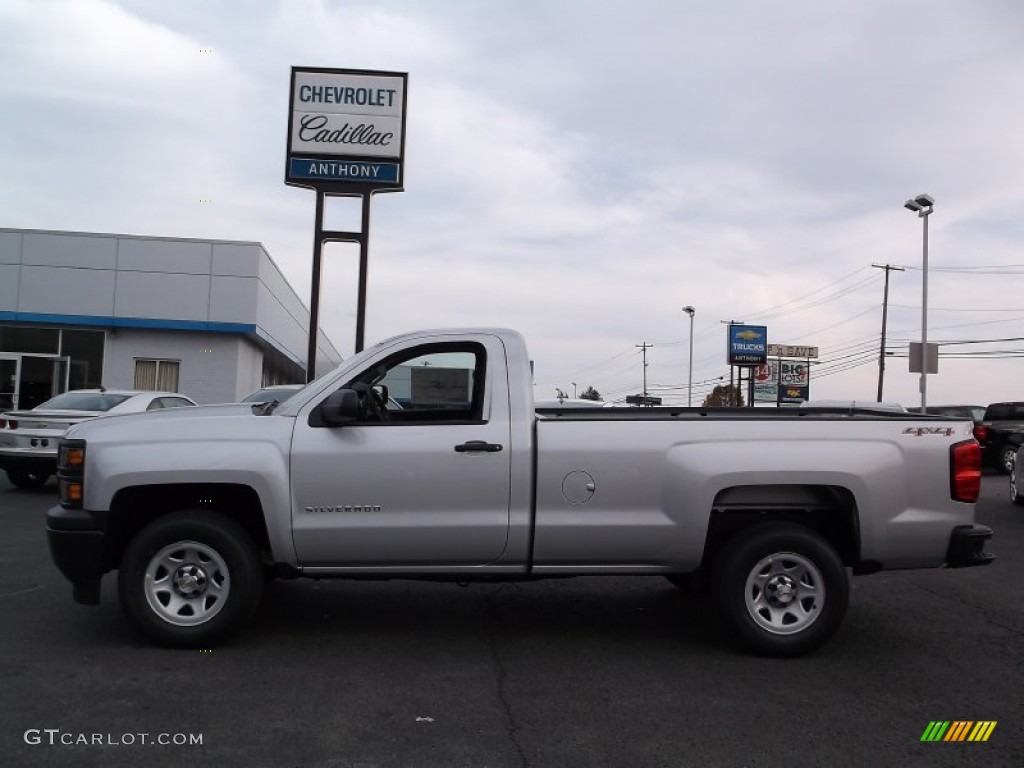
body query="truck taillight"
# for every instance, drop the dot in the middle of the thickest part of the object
(980, 433)
(965, 471)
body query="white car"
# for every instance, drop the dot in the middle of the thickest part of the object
(28, 439)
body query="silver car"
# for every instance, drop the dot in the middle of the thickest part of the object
(28, 439)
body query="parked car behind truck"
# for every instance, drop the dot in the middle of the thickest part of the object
(1001, 434)
(468, 481)
(28, 439)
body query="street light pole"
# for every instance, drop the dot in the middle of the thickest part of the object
(923, 205)
(689, 386)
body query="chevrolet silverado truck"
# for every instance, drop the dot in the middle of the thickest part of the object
(769, 510)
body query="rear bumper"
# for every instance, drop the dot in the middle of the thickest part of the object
(967, 545)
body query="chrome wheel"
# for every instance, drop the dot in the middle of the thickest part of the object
(187, 583)
(785, 593)
(1008, 459)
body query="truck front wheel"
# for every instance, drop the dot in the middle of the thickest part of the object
(190, 578)
(781, 588)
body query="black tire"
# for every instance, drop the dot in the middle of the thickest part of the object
(781, 588)
(1007, 457)
(1015, 493)
(27, 479)
(191, 578)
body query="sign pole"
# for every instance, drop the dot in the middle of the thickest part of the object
(364, 264)
(314, 297)
(778, 382)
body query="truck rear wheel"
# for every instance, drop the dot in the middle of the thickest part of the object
(190, 578)
(781, 588)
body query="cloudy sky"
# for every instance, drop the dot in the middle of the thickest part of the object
(576, 169)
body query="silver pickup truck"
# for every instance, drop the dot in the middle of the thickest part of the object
(768, 509)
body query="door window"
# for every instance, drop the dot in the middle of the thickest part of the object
(436, 383)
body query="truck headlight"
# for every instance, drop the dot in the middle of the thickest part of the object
(71, 473)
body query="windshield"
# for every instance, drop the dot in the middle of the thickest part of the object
(82, 401)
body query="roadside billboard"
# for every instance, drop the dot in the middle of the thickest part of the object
(782, 381)
(794, 373)
(766, 382)
(794, 395)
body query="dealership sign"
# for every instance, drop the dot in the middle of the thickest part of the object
(748, 344)
(346, 129)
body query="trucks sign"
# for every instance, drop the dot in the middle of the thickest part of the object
(346, 129)
(748, 344)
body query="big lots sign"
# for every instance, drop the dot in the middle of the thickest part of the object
(794, 373)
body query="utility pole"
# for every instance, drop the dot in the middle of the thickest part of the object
(644, 347)
(885, 312)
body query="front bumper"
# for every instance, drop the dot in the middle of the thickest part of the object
(966, 546)
(76, 539)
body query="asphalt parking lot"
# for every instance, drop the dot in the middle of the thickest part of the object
(579, 672)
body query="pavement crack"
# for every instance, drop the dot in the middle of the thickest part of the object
(512, 727)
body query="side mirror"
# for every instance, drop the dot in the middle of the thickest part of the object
(340, 408)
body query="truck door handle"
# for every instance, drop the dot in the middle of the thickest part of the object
(478, 446)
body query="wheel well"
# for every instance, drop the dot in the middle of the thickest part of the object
(830, 511)
(134, 508)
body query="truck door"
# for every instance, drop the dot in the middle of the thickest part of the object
(422, 478)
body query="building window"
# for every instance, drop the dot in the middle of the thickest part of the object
(157, 375)
(85, 348)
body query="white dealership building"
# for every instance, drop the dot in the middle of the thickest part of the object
(212, 319)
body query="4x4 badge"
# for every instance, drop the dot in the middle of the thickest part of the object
(918, 431)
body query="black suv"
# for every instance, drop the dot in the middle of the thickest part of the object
(1001, 433)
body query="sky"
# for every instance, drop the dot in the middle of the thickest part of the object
(578, 170)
